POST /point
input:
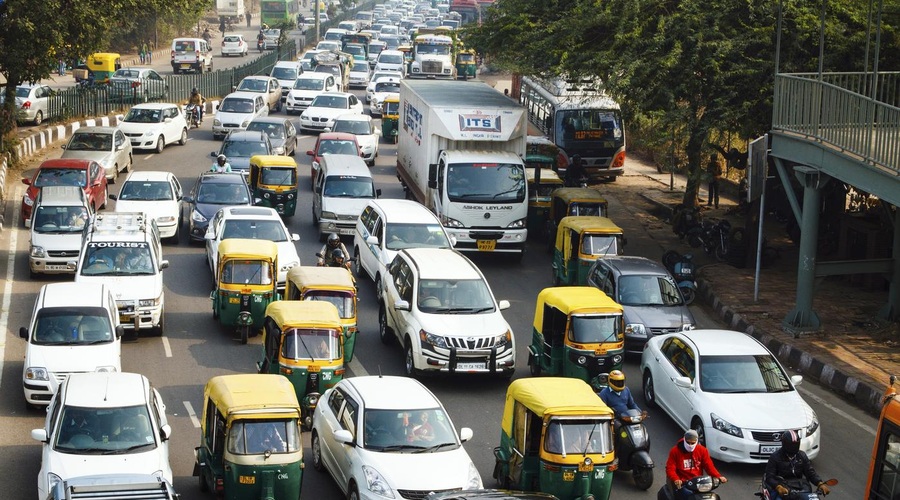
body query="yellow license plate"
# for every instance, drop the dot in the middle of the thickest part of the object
(582, 467)
(247, 479)
(187, 66)
(234, 300)
(126, 319)
(486, 245)
(314, 369)
(568, 475)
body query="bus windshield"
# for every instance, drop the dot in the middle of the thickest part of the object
(588, 128)
(486, 183)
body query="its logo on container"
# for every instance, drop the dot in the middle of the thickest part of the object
(479, 122)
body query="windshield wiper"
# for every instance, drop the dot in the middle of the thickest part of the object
(432, 449)
(400, 447)
(129, 449)
(482, 309)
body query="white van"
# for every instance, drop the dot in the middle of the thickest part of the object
(59, 217)
(341, 190)
(286, 72)
(191, 54)
(74, 328)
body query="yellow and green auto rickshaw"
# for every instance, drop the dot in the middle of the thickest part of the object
(573, 201)
(245, 283)
(303, 341)
(557, 438)
(103, 65)
(541, 183)
(273, 182)
(578, 332)
(250, 446)
(390, 119)
(466, 64)
(328, 284)
(541, 152)
(580, 240)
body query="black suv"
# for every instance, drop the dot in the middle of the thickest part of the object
(212, 192)
(240, 145)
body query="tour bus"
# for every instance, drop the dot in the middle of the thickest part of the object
(884, 469)
(275, 12)
(579, 118)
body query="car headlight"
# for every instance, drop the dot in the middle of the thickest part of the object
(813, 426)
(149, 302)
(150, 133)
(519, 224)
(38, 252)
(37, 373)
(376, 483)
(166, 219)
(106, 369)
(217, 123)
(245, 123)
(328, 215)
(196, 216)
(635, 329)
(503, 339)
(52, 481)
(723, 425)
(450, 222)
(279, 150)
(435, 340)
(473, 482)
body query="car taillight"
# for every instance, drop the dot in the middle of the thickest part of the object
(173, 55)
(26, 105)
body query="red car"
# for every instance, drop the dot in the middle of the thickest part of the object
(332, 143)
(66, 172)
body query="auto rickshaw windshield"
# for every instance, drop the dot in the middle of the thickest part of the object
(311, 344)
(582, 208)
(565, 436)
(599, 244)
(278, 176)
(595, 329)
(392, 107)
(247, 272)
(254, 437)
(343, 301)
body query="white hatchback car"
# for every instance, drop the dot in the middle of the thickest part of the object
(389, 437)
(378, 76)
(236, 111)
(367, 134)
(110, 422)
(157, 194)
(326, 107)
(729, 388)
(390, 60)
(359, 75)
(153, 125)
(438, 305)
(385, 88)
(234, 45)
(260, 223)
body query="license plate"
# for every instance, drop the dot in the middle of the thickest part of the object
(686, 270)
(314, 369)
(486, 245)
(126, 319)
(768, 449)
(247, 479)
(583, 467)
(234, 300)
(470, 366)
(568, 475)
(55, 267)
(187, 66)
(346, 231)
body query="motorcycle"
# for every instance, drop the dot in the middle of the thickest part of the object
(798, 489)
(684, 219)
(701, 488)
(712, 236)
(682, 269)
(260, 45)
(633, 448)
(193, 113)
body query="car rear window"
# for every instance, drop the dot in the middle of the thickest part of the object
(232, 39)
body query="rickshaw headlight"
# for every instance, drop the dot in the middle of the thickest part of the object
(266, 195)
(720, 424)
(37, 373)
(588, 461)
(290, 196)
(435, 340)
(196, 216)
(617, 359)
(473, 482)
(376, 483)
(581, 360)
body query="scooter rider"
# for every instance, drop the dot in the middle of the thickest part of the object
(260, 39)
(221, 165)
(334, 242)
(198, 100)
(575, 172)
(789, 463)
(689, 459)
(616, 395)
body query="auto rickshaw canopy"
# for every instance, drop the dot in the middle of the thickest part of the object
(571, 300)
(582, 224)
(104, 61)
(244, 248)
(259, 395)
(391, 106)
(557, 396)
(579, 194)
(321, 278)
(548, 176)
(304, 314)
(273, 161)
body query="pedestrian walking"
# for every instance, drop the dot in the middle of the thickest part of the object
(714, 171)
(148, 53)
(61, 66)
(249, 17)
(141, 54)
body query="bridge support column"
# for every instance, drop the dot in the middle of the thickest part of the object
(802, 319)
(891, 310)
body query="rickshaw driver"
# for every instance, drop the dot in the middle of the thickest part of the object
(266, 439)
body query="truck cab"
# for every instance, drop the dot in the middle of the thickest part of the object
(433, 57)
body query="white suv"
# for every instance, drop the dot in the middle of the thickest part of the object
(110, 422)
(439, 306)
(59, 216)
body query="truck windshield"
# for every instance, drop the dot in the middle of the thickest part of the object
(486, 183)
(433, 49)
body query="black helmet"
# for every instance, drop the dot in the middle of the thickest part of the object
(790, 442)
(194, 91)
(576, 158)
(337, 255)
(334, 241)
(616, 380)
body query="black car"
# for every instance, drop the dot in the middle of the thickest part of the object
(212, 192)
(240, 145)
(281, 132)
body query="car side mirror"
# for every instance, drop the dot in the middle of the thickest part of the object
(378, 193)
(308, 153)
(27, 182)
(39, 435)
(465, 434)
(401, 305)
(165, 432)
(503, 305)
(796, 379)
(213, 154)
(64, 146)
(23, 332)
(377, 131)
(372, 240)
(188, 199)
(295, 237)
(683, 382)
(120, 331)
(343, 436)
(112, 196)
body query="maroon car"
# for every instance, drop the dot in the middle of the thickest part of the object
(66, 172)
(332, 143)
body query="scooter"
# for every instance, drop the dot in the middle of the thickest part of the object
(701, 488)
(798, 489)
(682, 269)
(193, 113)
(633, 448)
(260, 45)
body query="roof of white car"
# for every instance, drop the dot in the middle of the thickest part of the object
(149, 175)
(153, 105)
(313, 75)
(724, 343)
(67, 294)
(442, 263)
(106, 390)
(405, 211)
(243, 95)
(388, 392)
(354, 117)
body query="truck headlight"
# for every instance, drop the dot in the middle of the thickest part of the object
(150, 302)
(37, 373)
(328, 215)
(720, 424)
(449, 222)
(435, 340)
(518, 224)
(38, 252)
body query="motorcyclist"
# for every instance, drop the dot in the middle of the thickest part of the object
(689, 459)
(337, 258)
(197, 100)
(789, 463)
(575, 172)
(331, 244)
(207, 35)
(618, 396)
(260, 39)
(221, 165)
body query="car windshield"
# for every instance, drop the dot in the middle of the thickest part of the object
(271, 230)
(235, 105)
(243, 149)
(390, 59)
(648, 290)
(486, 183)
(127, 73)
(578, 436)
(89, 141)
(408, 430)
(595, 329)
(343, 301)
(309, 84)
(253, 85)
(274, 176)
(348, 186)
(454, 296)
(355, 127)
(60, 177)
(738, 374)
(59, 220)
(146, 191)
(600, 244)
(586, 208)
(387, 87)
(330, 69)
(400, 236)
(104, 431)
(273, 130)
(284, 73)
(247, 272)
(376, 48)
(81, 325)
(258, 436)
(311, 344)
(330, 101)
(117, 259)
(337, 147)
(360, 67)
(144, 115)
(215, 193)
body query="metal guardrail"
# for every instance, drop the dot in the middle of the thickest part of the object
(839, 111)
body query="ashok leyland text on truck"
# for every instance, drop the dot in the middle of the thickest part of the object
(460, 153)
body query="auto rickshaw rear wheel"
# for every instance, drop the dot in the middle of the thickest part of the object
(534, 365)
(204, 486)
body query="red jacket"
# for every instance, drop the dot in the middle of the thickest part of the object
(683, 465)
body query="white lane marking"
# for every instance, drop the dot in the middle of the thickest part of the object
(7, 287)
(166, 347)
(357, 368)
(192, 414)
(149, 156)
(853, 420)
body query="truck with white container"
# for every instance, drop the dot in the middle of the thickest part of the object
(230, 8)
(460, 153)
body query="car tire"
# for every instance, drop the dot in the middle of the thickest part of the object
(130, 165)
(384, 331)
(183, 140)
(534, 365)
(357, 266)
(697, 425)
(115, 176)
(315, 445)
(379, 288)
(176, 238)
(409, 364)
(160, 329)
(352, 492)
(649, 390)
(160, 145)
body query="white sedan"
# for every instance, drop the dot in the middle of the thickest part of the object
(157, 194)
(380, 436)
(729, 388)
(326, 107)
(366, 133)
